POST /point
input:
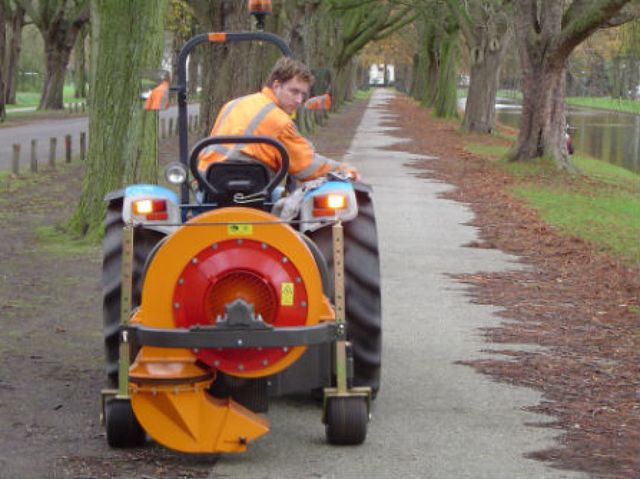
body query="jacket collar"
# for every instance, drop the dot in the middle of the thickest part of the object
(268, 92)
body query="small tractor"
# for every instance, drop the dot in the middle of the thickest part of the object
(213, 304)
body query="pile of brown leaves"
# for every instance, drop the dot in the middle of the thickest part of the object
(580, 304)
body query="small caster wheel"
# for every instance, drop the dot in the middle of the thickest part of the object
(123, 429)
(346, 420)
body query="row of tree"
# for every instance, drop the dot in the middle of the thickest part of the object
(62, 25)
(325, 34)
(546, 32)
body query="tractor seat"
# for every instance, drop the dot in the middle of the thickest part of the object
(234, 176)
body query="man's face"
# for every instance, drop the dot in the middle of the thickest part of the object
(291, 93)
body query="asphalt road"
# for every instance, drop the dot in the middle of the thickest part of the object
(432, 418)
(42, 130)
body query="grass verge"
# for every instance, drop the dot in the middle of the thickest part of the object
(606, 103)
(602, 205)
(26, 99)
(57, 242)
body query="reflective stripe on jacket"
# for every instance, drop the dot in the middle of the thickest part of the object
(259, 115)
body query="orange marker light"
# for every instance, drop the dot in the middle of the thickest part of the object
(327, 205)
(259, 6)
(151, 209)
(142, 207)
(217, 37)
(336, 202)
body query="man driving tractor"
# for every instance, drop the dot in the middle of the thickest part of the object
(269, 113)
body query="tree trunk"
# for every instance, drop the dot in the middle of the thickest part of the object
(123, 136)
(226, 68)
(15, 46)
(56, 61)
(425, 65)
(547, 33)
(480, 110)
(80, 67)
(3, 113)
(543, 123)
(446, 99)
(59, 24)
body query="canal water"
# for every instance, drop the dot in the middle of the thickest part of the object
(606, 135)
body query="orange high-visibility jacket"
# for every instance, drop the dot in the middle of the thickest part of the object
(258, 114)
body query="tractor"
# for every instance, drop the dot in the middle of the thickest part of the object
(213, 303)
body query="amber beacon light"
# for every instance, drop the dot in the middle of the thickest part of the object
(260, 9)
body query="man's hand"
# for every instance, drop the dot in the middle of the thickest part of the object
(345, 172)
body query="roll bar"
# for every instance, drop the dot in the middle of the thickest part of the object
(181, 87)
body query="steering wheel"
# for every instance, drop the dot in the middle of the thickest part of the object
(236, 139)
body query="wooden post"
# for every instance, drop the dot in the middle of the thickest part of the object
(15, 162)
(163, 128)
(83, 146)
(67, 148)
(84, 106)
(53, 146)
(34, 156)
(170, 126)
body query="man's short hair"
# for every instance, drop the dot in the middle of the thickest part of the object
(287, 68)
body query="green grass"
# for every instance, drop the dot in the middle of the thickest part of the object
(602, 103)
(515, 94)
(490, 151)
(32, 98)
(607, 173)
(363, 94)
(606, 103)
(610, 219)
(600, 205)
(58, 243)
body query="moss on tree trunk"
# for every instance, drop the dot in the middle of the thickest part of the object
(123, 136)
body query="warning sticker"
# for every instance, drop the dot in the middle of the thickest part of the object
(239, 230)
(286, 294)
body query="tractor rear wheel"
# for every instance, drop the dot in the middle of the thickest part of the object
(362, 285)
(346, 420)
(144, 243)
(121, 424)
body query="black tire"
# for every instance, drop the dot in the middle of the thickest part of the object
(346, 420)
(144, 244)
(362, 284)
(123, 429)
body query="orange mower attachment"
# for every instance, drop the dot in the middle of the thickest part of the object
(221, 280)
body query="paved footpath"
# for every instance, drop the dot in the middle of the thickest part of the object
(432, 418)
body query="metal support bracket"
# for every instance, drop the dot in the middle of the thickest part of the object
(341, 323)
(126, 293)
(343, 388)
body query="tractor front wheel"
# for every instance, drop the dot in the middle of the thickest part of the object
(123, 429)
(346, 420)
